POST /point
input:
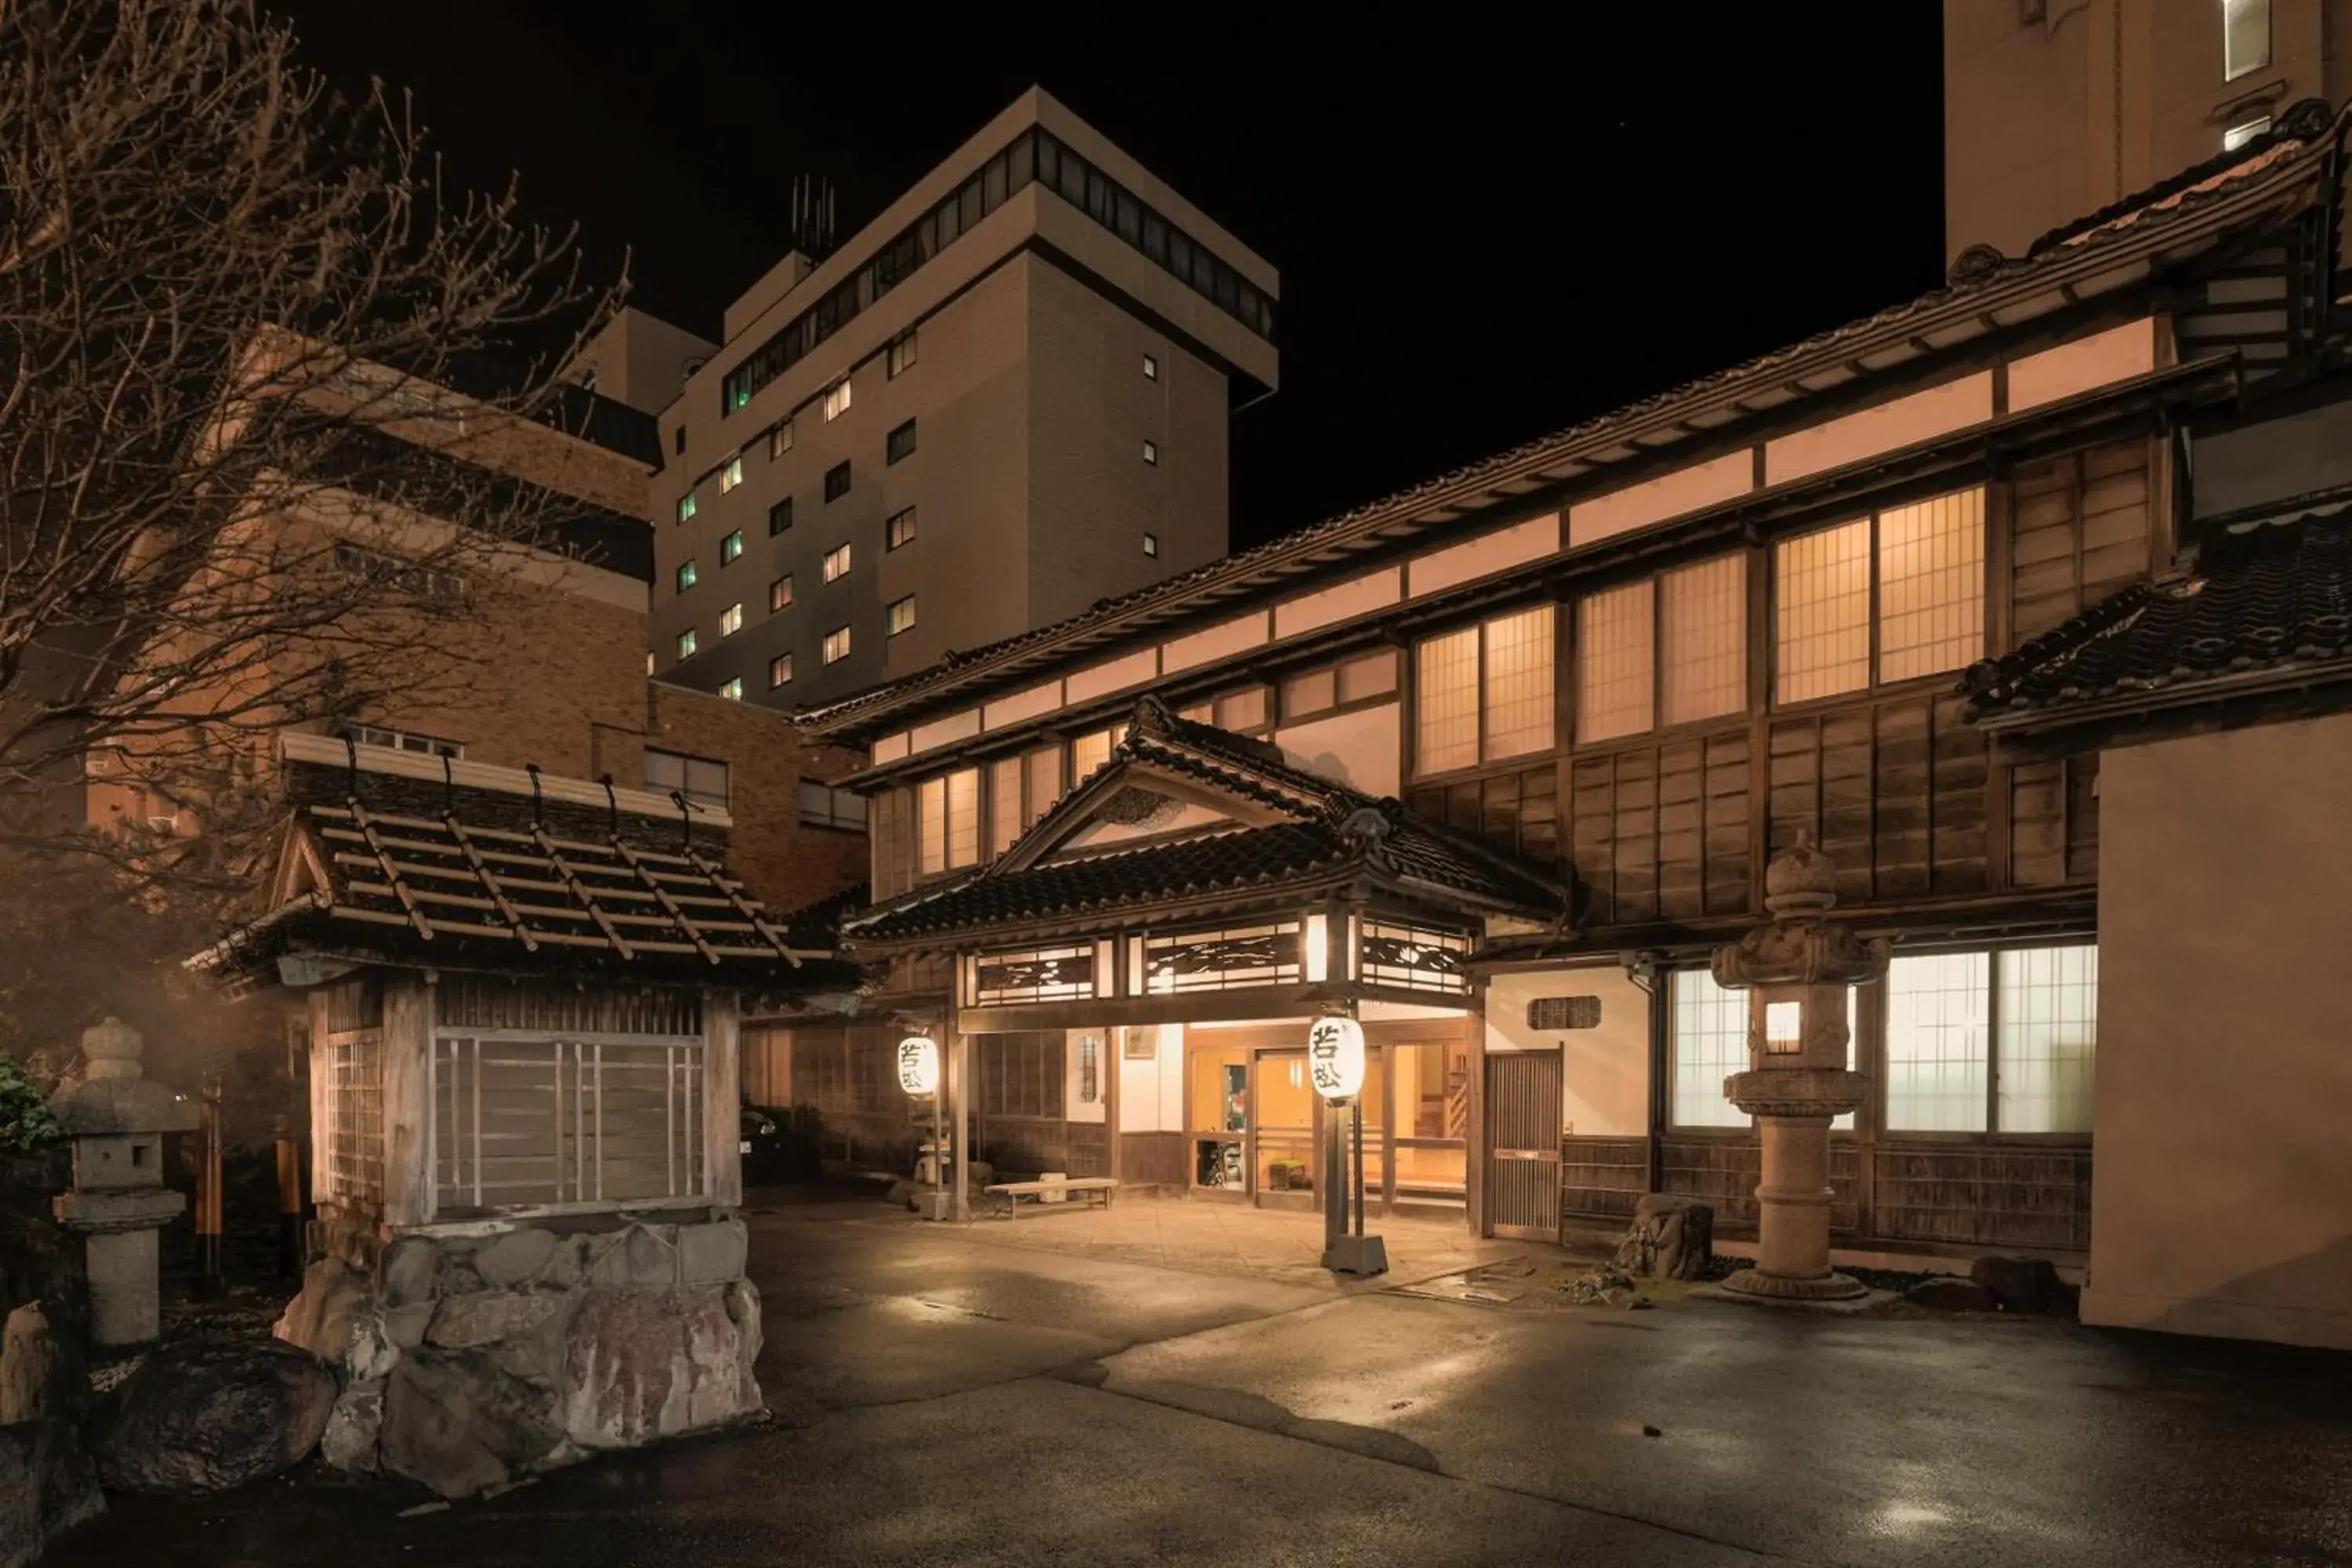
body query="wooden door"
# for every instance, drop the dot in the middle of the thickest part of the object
(1523, 1128)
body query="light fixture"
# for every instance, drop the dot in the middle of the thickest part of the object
(1335, 1054)
(1784, 1033)
(919, 1066)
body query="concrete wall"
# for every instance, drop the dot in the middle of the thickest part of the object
(2222, 1202)
(2036, 132)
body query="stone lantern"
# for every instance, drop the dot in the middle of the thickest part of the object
(1798, 973)
(116, 1118)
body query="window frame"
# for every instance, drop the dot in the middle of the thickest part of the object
(837, 480)
(780, 516)
(689, 643)
(779, 670)
(687, 576)
(900, 444)
(780, 594)
(900, 356)
(1874, 685)
(1288, 713)
(894, 535)
(730, 620)
(1870, 1012)
(686, 507)
(2233, 70)
(1409, 679)
(837, 399)
(1659, 726)
(780, 439)
(1150, 452)
(731, 473)
(731, 548)
(731, 688)
(1152, 367)
(830, 654)
(892, 625)
(687, 762)
(837, 561)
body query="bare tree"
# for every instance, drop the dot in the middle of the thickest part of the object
(235, 492)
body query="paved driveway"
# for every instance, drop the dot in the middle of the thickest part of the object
(1171, 1384)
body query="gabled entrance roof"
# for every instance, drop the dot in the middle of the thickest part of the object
(1188, 820)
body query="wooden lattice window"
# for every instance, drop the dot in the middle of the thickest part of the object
(519, 1121)
(352, 1160)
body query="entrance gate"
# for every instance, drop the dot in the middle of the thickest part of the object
(1523, 1110)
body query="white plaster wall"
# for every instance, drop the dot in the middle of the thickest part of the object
(1606, 1070)
(1151, 1094)
(1882, 427)
(1488, 553)
(1363, 750)
(2115, 354)
(1356, 596)
(2221, 1197)
(1669, 495)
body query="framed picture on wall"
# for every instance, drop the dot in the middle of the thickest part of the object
(1139, 1044)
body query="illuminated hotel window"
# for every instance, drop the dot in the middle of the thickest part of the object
(686, 642)
(685, 508)
(1921, 564)
(1822, 644)
(901, 357)
(1703, 636)
(900, 530)
(730, 620)
(836, 400)
(780, 594)
(837, 562)
(779, 670)
(779, 440)
(731, 547)
(1615, 639)
(1465, 719)
(837, 645)
(731, 688)
(687, 575)
(731, 475)
(900, 615)
(947, 815)
(1931, 585)
(2245, 36)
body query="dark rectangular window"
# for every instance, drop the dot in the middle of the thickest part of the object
(900, 442)
(780, 517)
(837, 482)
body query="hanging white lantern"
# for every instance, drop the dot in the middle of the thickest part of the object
(919, 1065)
(1335, 1057)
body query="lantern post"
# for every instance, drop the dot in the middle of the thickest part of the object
(919, 1075)
(1335, 1061)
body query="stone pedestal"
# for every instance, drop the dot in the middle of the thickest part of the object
(1799, 972)
(116, 1118)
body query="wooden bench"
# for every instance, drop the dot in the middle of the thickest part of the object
(1102, 1187)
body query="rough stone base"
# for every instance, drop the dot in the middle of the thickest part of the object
(1829, 1287)
(471, 1358)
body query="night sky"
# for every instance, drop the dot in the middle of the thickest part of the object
(1484, 234)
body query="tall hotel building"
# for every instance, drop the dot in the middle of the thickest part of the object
(1002, 401)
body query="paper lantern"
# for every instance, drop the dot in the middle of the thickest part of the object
(1335, 1057)
(919, 1065)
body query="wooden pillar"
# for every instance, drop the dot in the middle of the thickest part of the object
(958, 1068)
(1473, 1158)
(407, 1100)
(723, 1147)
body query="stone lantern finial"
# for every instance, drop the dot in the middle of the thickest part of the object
(112, 1048)
(1801, 881)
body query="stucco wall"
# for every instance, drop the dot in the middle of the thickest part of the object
(1606, 1070)
(2222, 1202)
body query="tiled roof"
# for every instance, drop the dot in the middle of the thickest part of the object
(1329, 833)
(1978, 295)
(2276, 596)
(479, 878)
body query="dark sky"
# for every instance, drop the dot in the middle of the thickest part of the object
(1484, 231)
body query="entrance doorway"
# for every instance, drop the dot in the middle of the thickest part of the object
(1523, 1121)
(1284, 1126)
(1217, 1118)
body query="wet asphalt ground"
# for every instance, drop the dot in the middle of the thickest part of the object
(941, 1396)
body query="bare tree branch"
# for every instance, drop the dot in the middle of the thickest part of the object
(236, 494)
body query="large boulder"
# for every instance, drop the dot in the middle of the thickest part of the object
(456, 1423)
(320, 1316)
(208, 1416)
(645, 1365)
(1673, 1238)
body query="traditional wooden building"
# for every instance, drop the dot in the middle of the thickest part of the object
(1637, 658)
